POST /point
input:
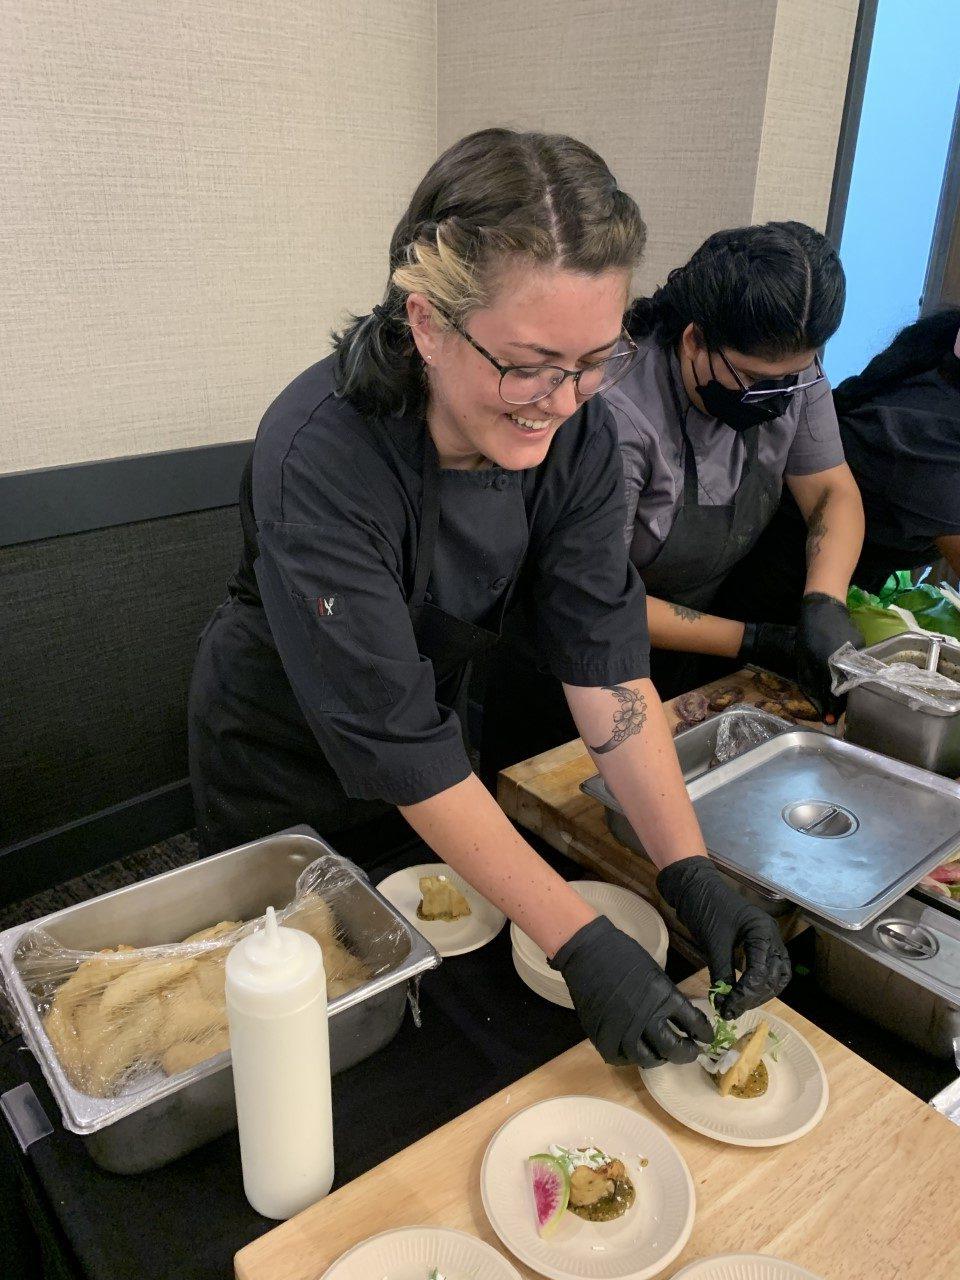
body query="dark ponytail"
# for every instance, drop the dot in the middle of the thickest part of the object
(496, 193)
(918, 348)
(770, 291)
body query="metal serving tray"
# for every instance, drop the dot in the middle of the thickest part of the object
(146, 1129)
(884, 720)
(696, 750)
(840, 831)
(902, 971)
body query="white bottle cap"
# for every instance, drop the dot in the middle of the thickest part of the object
(275, 970)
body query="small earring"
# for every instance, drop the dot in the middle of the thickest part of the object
(428, 359)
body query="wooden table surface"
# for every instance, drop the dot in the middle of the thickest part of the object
(872, 1193)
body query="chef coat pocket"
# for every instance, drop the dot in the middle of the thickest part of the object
(348, 679)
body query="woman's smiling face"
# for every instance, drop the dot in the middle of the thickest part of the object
(539, 315)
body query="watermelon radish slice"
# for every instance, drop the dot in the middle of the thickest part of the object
(550, 1182)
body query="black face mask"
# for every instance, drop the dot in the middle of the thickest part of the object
(726, 404)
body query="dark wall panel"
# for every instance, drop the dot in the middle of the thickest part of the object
(98, 634)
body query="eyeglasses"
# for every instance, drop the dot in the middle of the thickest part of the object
(763, 388)
(527, 383)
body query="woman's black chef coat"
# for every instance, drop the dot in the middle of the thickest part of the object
(331, 519)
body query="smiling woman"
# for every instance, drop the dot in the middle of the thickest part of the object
(450, 458)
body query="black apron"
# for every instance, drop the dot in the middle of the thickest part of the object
(255, 767)
(703, 546)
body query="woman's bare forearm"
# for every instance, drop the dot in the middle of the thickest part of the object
(831, 505)
(626, 733)
(465, 827)
(675, 626)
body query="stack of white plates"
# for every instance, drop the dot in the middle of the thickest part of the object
(627, 910)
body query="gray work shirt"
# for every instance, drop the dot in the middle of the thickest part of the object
(804, 440)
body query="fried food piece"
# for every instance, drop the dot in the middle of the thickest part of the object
(771, 707)
(141, 981)
(211, 977)
(62, 1034)
(345, 972)
(189, 1018)
(441, 900)
(92, 976)
(750, 1046)
(181, 1057)
(799, 707)
(601, 1194)
(587, 1186)
(725, 698)
(215, 931)
(771, 683)
(130, 1044)
(314, 916)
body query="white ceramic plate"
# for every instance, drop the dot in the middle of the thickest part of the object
(627, 910)
(450, 937)
(794, 1102)
(553, 990)
(410, 1253)
(744, 1266)
(641, 1243)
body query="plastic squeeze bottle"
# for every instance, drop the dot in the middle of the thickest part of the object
(276, 992)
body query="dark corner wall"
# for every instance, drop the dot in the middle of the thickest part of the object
(108, 573)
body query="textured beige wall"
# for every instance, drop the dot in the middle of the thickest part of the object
(190, 195)
(671, 95)
(711, 113)
(809, 65)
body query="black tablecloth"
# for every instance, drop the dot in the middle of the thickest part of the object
(482, 1029)
(62, 1218)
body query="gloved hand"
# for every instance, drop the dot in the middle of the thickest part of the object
(724, 923)
(770, 645)
(626, 1002)
(824, 626)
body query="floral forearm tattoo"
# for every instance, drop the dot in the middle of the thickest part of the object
(628, 719)
(685, 612)
(816, 529)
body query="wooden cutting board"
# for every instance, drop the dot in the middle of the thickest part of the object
(872, 1193)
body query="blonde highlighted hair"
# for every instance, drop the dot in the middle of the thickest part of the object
(494, 196)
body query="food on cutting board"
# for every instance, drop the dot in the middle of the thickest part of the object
(771, 707)
(771, 683)
(798, 707)
(124, 1013)
(724, 699)
(582, 1180)
(735, 1061)
(441, 900)
(690, 708)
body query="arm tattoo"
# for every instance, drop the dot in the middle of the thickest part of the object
(816, 528)
(685, 613)
(627, 720)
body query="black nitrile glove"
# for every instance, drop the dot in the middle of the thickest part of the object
(626, 1002)
(770, 645)
(723, 923)
(824, 626)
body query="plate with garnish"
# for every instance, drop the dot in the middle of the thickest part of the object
(438, 902)
(758, 1084)
(579, 1188)
(422, 1253)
